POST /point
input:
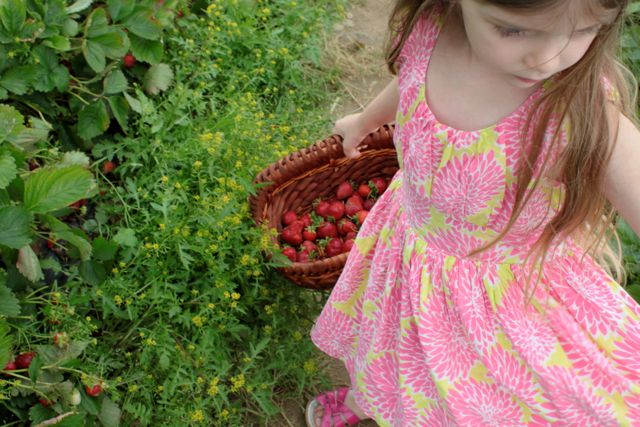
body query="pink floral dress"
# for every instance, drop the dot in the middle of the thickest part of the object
(433, 337)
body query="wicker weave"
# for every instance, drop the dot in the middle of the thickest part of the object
(315, 172)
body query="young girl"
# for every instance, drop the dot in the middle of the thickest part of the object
(480, 291)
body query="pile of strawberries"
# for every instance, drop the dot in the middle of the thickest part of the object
(331, 228)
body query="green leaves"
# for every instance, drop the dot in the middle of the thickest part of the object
(6, 343)
(8, 169)
(49, 189)
(15, 221)
(115, 82)
(158, 78)
(12, 16)
(28, 264)
(102, 40)
(93, 120)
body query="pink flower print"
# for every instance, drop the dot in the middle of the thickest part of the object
(465, 185)
(627, 350)
(599, 370)
(412, 363)
(422, 148)
(408, 96)
(585, 291)
(509, 138)
(515, 377)
(470, 300)
(455, 240)
(532, 338)
(483, 404)
(381, 385)
(535, 214)
(448, 351)
(461, 139)
(578, 402)
(418, 209)
(333, 332)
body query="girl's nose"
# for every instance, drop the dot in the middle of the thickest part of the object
(546, 59)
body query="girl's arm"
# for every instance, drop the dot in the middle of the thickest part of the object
(355, 127)
(622, 180)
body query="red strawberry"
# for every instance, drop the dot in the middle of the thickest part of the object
(306, 219)
(303, 256)
(334, 247)
(10, 366)
(327, 229)
(380, 184)
(291, 236)
(93, 391)
(309, 246)
(350, 235)
(345, 226)
(344, 190)
(288, 217)
(108, 167)
(353, 205)
(322, 209)
(129, 60)
(368, 204)
(309, 234)
(347, 245)
(364, 190)
(290, 253)
(23, 361)
(78, 204)
(61, 339)
(336, 210)
(362, 215)
(44, 402)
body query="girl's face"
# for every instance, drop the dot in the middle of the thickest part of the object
(528, 47)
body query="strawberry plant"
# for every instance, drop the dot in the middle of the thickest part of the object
(70, 63)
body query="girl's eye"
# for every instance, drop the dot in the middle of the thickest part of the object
(508, 32)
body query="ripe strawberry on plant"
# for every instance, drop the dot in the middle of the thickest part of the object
(108, 167)
(10, 366)
(345, 190)
(45, 402)
(327, 229)
(61, 339)
(290, 253)
(304, 256)
(129, 60)
(94, 390)
(23, 361)
(289, 217)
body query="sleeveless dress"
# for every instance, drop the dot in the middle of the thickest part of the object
(433, 337)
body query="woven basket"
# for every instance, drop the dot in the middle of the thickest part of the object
(315, 172)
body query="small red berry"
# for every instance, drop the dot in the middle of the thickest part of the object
(93, 391)
(11, 366)
(108, 167)
(23, 361)
(129, 60)
(45, 402)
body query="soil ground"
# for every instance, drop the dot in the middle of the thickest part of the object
(356, 48)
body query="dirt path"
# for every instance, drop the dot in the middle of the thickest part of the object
(356, 48)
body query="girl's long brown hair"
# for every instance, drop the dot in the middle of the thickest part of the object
(580, 98)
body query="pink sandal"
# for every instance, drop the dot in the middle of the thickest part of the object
(336, 413)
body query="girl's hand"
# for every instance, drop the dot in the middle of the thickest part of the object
(352, 132)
